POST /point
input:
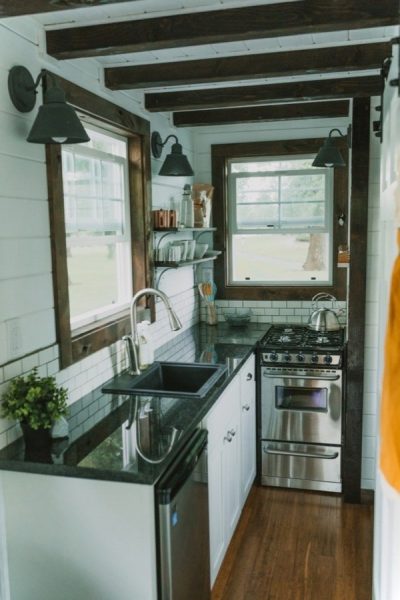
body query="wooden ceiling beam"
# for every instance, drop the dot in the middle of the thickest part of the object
(30, 7)
(226, 97)
(251, 114)
(217, 26)
(250, 66)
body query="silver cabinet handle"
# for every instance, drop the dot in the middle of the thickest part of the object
(246, 407)
(228, 437)
(232, 432)
(307, 377)
(249, 377)
(303, 454)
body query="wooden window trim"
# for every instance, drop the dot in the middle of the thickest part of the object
(87, 340)
(220, 153)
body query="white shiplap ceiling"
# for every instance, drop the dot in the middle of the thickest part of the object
(141, 9)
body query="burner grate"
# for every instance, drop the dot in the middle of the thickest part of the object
(280, 336)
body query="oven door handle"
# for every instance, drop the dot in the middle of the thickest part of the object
(307, 377)
(302, 454)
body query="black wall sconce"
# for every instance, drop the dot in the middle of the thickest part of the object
(328, 155)
(56, 121)
(176, 163)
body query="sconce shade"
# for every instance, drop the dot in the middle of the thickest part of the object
(176, 163)
(56, 121)
(328, 155)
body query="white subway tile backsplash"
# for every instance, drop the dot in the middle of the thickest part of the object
(13, 370)
(30, 362)
(368, 468)
(370, 404)
(369, 425)
(369, 446)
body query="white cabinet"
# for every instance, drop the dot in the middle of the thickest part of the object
(223, 483)
(231, 459)
(247, 427)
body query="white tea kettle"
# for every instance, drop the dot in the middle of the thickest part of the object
(323, 319)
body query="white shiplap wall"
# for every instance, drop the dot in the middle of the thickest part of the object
(26, 295)
(292, 311)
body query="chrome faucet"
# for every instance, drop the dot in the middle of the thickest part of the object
(132, 341)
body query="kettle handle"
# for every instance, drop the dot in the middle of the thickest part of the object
(321, 296)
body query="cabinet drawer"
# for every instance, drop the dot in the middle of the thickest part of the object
(301, 465)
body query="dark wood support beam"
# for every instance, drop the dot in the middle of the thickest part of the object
(353, 402)
(30, 7)
(250, 66)
(217, 26)
(247, 114)
(226, 97)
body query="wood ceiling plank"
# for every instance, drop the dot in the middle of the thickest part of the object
(29, 7)
(225, 25)
(247, 114)
(250, 66)
(226, 97)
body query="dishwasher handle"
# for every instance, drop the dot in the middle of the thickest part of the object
(180, 471)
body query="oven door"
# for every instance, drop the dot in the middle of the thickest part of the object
(301, 405)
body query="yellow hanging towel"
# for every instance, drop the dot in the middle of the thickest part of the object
(390, 406)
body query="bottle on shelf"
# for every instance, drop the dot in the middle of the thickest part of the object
(187, 202)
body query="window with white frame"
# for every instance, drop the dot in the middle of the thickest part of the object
(279, 222)
(96, 207)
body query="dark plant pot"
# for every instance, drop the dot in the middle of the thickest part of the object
(37, 444)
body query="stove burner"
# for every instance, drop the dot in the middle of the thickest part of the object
(284, 338)
(299, 336)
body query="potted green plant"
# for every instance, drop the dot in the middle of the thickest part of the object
(37, 403)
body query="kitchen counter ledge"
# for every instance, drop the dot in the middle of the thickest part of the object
(103, 439)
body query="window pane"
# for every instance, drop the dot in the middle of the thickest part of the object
(303, 215)
(286, 258)
(256, 215)
(93, 278)
(302, 188)
(94, 192)
(97, 226)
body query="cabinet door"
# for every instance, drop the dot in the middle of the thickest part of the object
(231, 475)
(216, 513)
(247, 427)
(217, 423)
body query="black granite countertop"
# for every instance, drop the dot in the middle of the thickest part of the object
(124, 438)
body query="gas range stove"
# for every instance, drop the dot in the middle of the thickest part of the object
(296, 344)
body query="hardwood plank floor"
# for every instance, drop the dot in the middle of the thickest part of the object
(295, 545)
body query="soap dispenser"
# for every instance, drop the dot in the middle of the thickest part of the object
(145, 342)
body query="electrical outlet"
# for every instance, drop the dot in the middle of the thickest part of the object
(14, 338)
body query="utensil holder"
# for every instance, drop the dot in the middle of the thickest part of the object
(212, 318)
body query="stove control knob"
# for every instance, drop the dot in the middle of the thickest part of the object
(314, 358)
(287, 356)
(328, 359)
(300, 357)
(273, 356)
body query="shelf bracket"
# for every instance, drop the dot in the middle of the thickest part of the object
(160, 273)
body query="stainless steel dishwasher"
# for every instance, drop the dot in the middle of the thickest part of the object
(183, 531)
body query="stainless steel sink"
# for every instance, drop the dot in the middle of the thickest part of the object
(192, 380)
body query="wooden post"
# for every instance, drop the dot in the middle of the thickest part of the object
(351, 467)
